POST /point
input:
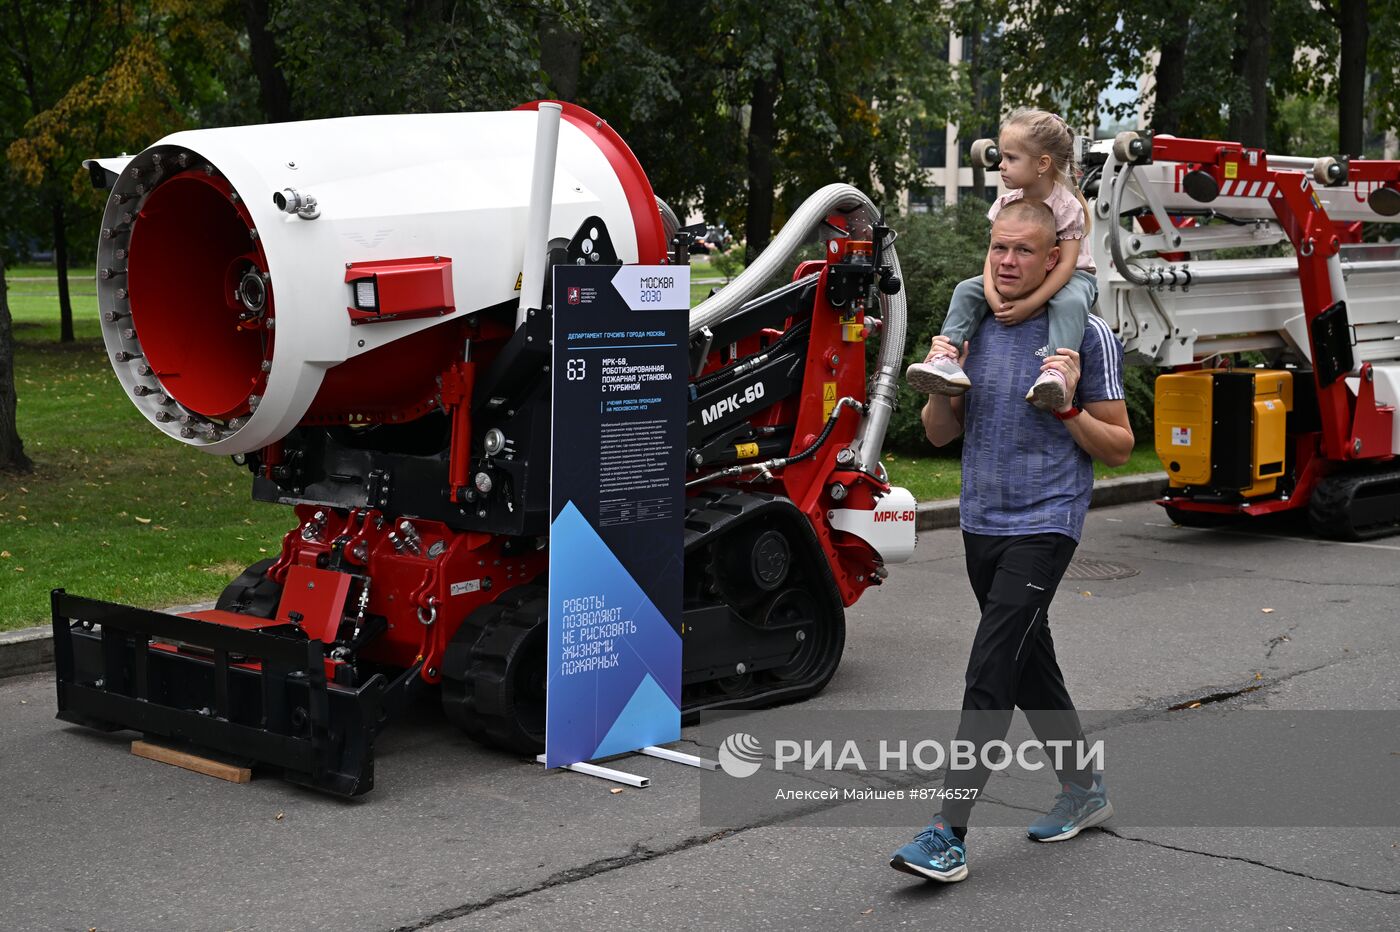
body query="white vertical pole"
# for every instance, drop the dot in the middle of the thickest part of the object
(951, 172)
(541, 201)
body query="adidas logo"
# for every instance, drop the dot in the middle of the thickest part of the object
(1043, 352)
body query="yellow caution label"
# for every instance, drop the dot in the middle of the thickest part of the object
(518, 278)
(828, 398)
(746, 451)
(1232, 169)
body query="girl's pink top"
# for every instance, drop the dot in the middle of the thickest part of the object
(1069, 219)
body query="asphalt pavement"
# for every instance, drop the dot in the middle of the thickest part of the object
(455, 837)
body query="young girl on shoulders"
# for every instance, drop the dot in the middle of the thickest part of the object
(1037, 162)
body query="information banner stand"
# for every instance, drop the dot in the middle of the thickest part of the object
(617, 506)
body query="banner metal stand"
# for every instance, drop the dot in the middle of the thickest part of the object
(604, 773)
(690, 760)
(631, 779)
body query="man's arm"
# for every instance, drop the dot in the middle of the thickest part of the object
(942, 415)
(1102, 430)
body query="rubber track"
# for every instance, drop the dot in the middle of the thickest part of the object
(482, 648)
(1332, 508)
(712, 514)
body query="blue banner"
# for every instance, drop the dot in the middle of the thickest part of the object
(617, 505)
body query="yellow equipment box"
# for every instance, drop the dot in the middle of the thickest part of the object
(1224, 429)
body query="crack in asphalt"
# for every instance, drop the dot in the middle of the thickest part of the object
(640, 853)
(1235, 857)
(1214, 698)
(1320, 582)
(1182, 702)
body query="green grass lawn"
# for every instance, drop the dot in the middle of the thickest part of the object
(700, 269)
(115, 509)
(931, 478)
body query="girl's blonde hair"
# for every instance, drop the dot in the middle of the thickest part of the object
(1047, 134)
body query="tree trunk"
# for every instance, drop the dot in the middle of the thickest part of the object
(60, 262)
(12, 458)
(561, 55)
(972, 55)
(1170, 78)
(273, 91)
(1249, 119)
(1353, 22)
(763, 134)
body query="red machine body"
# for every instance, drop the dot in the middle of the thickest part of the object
(417, 461)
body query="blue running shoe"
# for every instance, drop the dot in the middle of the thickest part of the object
(934, 854)
(1075, 809)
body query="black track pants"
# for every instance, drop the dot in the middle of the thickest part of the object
(1012, 664)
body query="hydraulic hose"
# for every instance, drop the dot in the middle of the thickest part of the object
(669, 222)
(895, 308)
(766, 466)
(794, 234)
(1129, 271)
(885, 380)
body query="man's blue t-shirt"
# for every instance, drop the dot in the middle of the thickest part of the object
(1022, 472)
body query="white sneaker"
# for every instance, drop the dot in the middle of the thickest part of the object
(1049, 392)
(940, 375)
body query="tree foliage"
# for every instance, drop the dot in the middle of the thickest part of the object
(347, 58)
(1210, 66)
(752, 106)
(85, 78)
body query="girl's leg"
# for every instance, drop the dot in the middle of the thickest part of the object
(1069, 315)
(941, 374)
(965, 311)
(1069, 311)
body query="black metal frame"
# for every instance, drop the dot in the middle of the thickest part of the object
(281, 712)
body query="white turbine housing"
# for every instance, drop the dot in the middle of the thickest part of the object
(233, 261)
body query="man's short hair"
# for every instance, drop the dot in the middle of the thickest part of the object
(1034, 212)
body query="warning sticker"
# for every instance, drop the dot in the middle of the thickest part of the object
(1232, 169)
(828, 398)
(746, 451)
(519, 276)
(1181, 436)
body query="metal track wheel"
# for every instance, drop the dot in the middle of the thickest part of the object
(813, 632)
